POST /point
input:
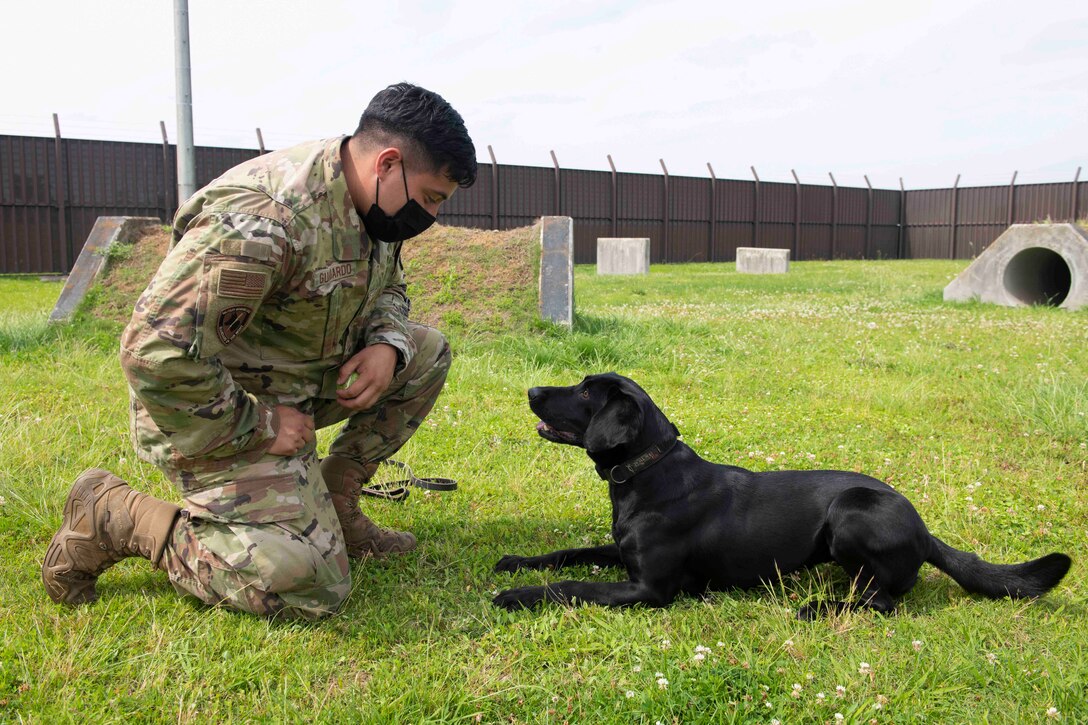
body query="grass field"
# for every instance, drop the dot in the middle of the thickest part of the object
(978, 414)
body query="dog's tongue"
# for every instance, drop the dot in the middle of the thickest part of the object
(542, 426)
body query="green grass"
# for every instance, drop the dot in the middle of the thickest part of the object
(976, 413)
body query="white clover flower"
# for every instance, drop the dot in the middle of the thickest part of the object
(838, 717)
(1041, 507)
(704, 650)
(917, 645)
(840, 691)
(699, 657)
(659, 674)
(821, 696)
(1053, 714)
(637, 668)
(629, 694)
(788, 643)
(662, 682)
(665, 644)
(864, 668)
(721, 644)
(991, 658)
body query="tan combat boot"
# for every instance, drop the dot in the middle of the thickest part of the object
(362, 537)
(104, 521)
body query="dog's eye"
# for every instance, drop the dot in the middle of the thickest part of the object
(585, 394)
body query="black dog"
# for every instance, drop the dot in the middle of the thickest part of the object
(683, 524)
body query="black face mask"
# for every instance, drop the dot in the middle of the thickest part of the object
(409, 221)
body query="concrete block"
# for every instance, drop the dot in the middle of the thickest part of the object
(1029, 264)
(756, 260)
(557, 269)
(623, 255)
(107, 231)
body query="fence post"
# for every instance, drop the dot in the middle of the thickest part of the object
(834, 213)
(952, 213)
(167, 208)
(1011, 201)
(494, 189)
(713, 213)
(615, 194)
(665, 246)
(260, 142)
(555, 162)
(899, 250)
(869, 220)
(66, 252)
(796, 216)
(755, 210)
(1075, 195)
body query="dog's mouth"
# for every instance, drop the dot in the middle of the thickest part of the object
(555, 435)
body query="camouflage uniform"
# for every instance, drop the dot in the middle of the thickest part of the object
(270, 285)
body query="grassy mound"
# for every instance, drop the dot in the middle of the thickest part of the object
(458, 279)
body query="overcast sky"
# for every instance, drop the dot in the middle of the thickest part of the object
(918, 89)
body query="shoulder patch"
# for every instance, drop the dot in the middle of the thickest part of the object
(244, 284)
(232, 321)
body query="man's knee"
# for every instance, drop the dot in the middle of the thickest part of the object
(433, 354)
(264, 570)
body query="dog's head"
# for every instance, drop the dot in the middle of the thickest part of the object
(604, 414)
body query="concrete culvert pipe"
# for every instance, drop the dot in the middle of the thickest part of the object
(1038, 276)
(1029, 264)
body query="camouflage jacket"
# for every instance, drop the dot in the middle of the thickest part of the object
(270, 284)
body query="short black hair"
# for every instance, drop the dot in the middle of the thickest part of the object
(428, 122)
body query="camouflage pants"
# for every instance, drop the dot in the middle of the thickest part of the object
(263, 537)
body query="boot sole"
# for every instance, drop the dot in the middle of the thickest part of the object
(68, 587)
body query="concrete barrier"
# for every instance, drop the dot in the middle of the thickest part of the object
(557, 269)
(1029, 264)
(756, 260)
(107, 231)
(623, 255)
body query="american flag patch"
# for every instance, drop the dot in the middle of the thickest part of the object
(241, 284)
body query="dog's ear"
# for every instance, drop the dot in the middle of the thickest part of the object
(617, 423)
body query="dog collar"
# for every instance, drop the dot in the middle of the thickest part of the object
(624, 472)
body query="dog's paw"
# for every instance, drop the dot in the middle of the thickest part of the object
(520, 598)
(510, 562)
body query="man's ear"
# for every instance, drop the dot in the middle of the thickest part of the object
(614, 425)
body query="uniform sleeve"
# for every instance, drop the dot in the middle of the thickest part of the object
(389, 321)
(205, 293)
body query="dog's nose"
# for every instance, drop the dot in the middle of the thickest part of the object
(534, 393)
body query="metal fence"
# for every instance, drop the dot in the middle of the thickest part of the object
(53, 189)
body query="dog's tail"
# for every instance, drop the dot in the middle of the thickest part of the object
(1030, 579)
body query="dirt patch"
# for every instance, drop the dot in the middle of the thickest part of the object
(129, 267)
(457, 278)
(471, 278)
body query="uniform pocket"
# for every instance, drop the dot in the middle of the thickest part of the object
(295, 329)
(258, 500)
(231, 292)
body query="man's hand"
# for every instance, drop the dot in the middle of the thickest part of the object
(374, 366)
(295, 431)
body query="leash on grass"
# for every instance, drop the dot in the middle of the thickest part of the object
(399, 490)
